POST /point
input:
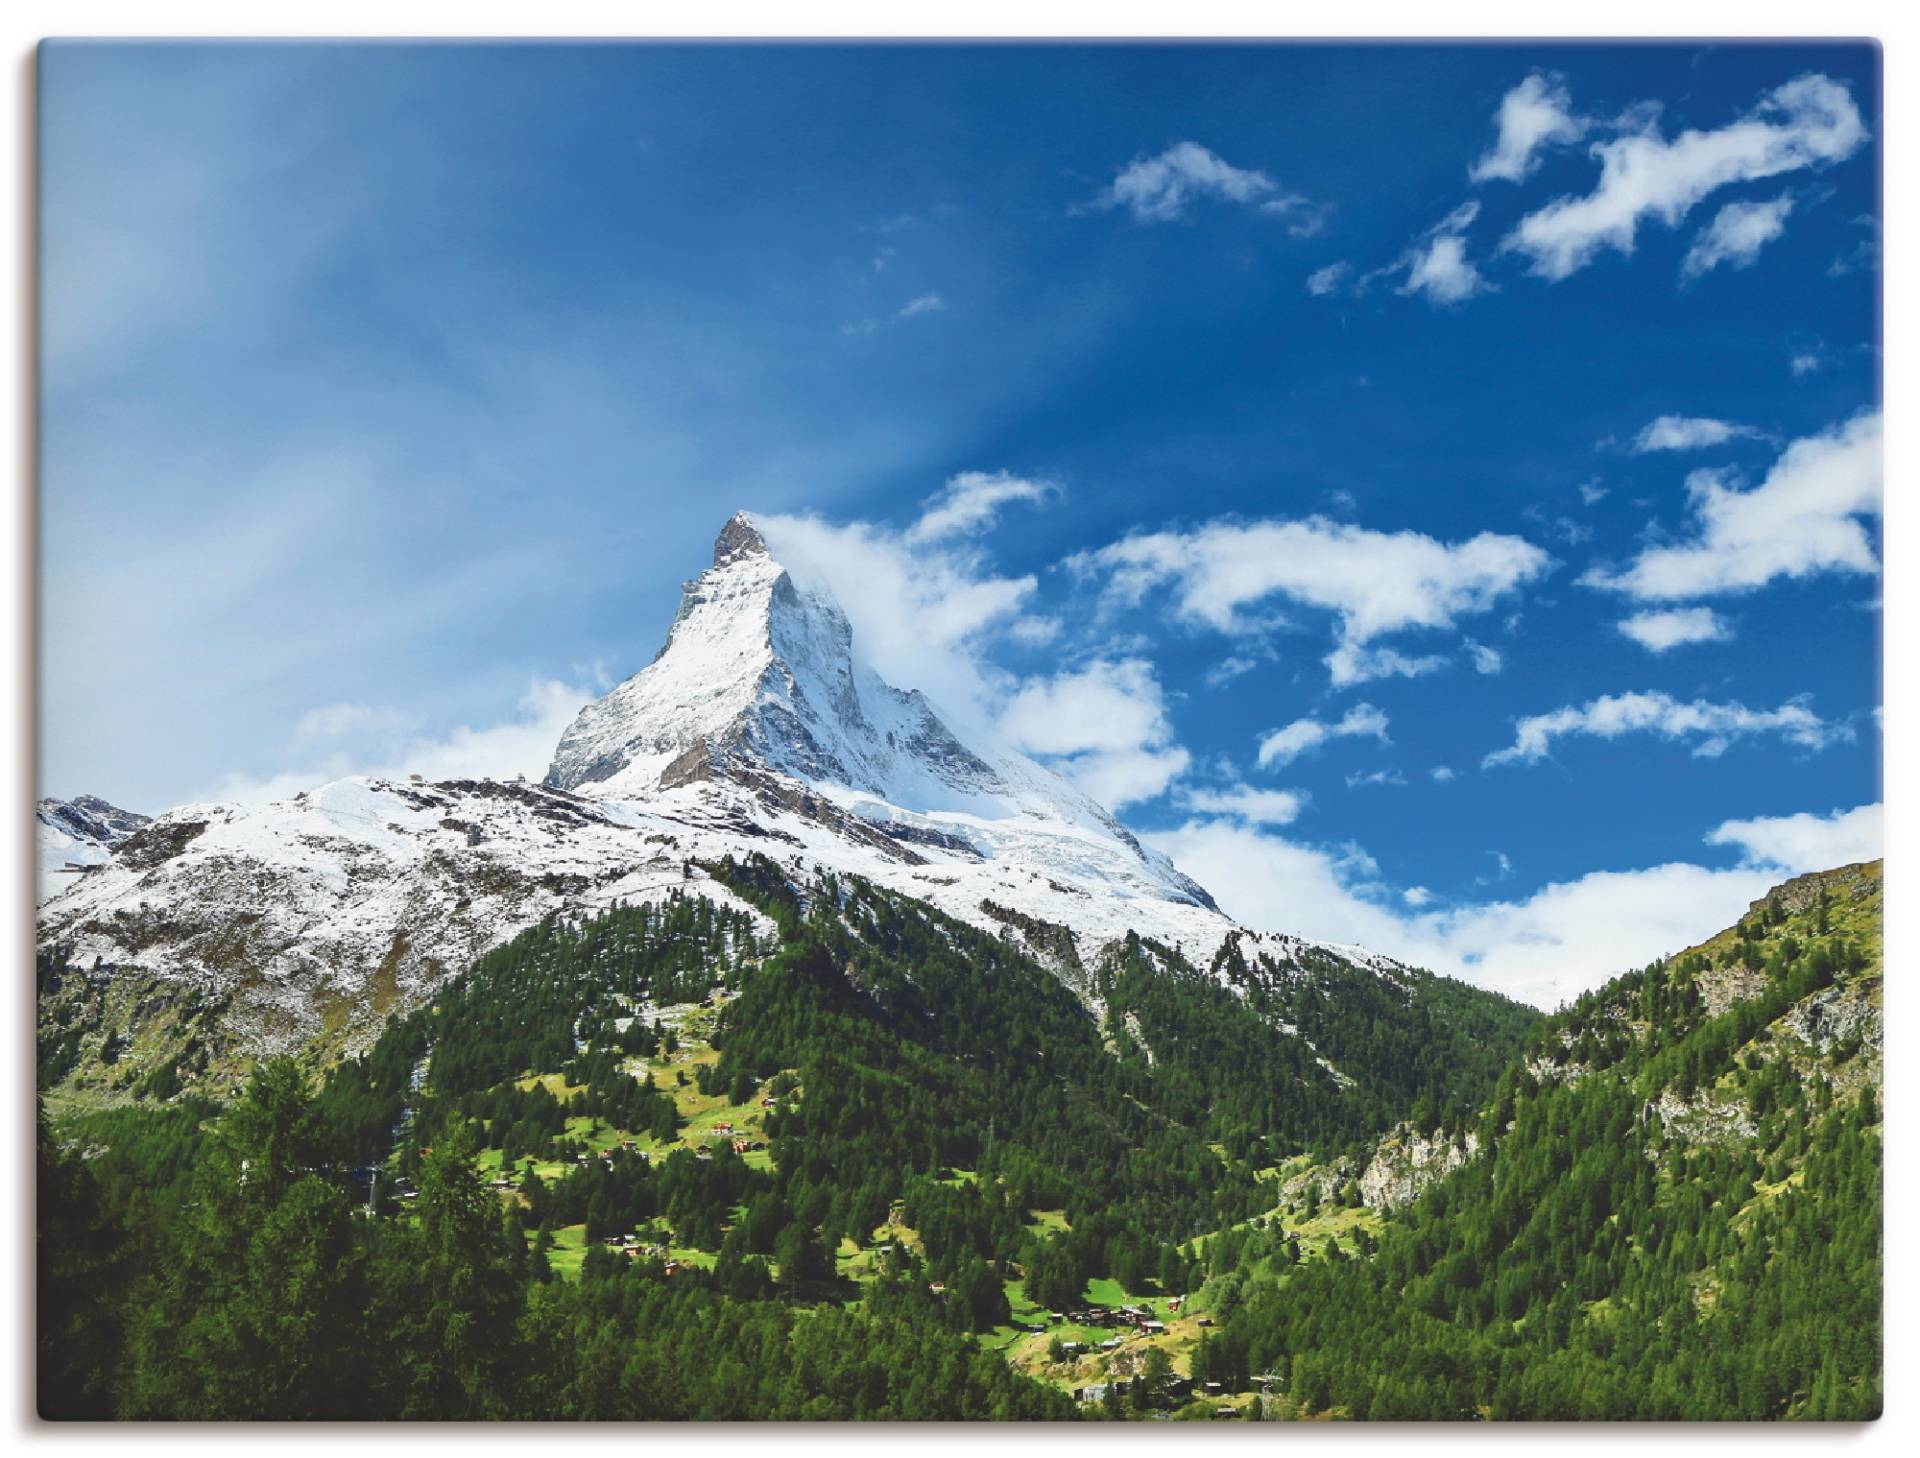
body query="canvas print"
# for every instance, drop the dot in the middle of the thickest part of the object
(1099, 732)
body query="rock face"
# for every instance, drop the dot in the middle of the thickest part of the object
(1406, 1162)
(75, 835)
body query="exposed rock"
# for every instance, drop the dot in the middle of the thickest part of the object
(1407, 1161)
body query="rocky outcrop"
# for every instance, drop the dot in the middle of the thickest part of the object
(1407, 1161)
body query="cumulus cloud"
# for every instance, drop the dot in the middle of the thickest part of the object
(1545, 948)
(1159, 189)
(1805, 841)
(1246, 803)
(922, 304)
(1799, 521)
(970, 501)
(1660, 630)
(1373, 582)
(1687, 433)
(1283, 746)
(1736, 235)
(1485, 659)
(378, 740)
(1104, 725)
(1809, 122)
(1712, 727)
(1535, 115)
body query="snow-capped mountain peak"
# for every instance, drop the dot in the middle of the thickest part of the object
(760, 677)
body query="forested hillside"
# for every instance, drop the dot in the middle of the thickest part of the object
(1680, 1216)
(844, 1156)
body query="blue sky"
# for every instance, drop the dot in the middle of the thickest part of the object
(1157, 404)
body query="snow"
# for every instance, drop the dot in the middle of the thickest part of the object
(74, 833)
(783, 743)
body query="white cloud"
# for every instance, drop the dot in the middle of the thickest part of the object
(919, 610)
(371, 740)
(1536, 114)
(1105, 726)
(1736, 235)
(1485, 659)
(1712, 726)
(970, 501)
(1806, 362)
(1810, 121)
(1244, 802)
(1806, 842)
(1545, 948)
(1158, 189)
(1376, 777)
(1374, 582)
(1229, 668)
(1592, 493)
(914, 308)
(1282, 746)
(1323, 281)
(1687, 433)
(1351, 664)
(1658, 631)
(1442, 773)
(1036, 631)
(1797, 522)
(1437, 266)
(1442, 271)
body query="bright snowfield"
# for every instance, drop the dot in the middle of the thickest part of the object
(756, 728)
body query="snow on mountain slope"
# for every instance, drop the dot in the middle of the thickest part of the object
(759, 678)
(71, 835)
(755, 729)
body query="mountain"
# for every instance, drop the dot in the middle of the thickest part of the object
(1671, 1208)
(756, 728)
(73, 835)
(758, 688)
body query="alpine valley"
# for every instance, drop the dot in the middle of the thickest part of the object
(794, 1051)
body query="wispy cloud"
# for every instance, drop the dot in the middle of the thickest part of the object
(1801, 520)
(1736, 235)
(970, 502)
(1809, 122)
(1374, 582)
(1437, 266)
(1711, 727)
(1160, 189)
(1283, 746)
(1324, 281)
(1246, 803)
(1687, 433)
(1535, 115)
